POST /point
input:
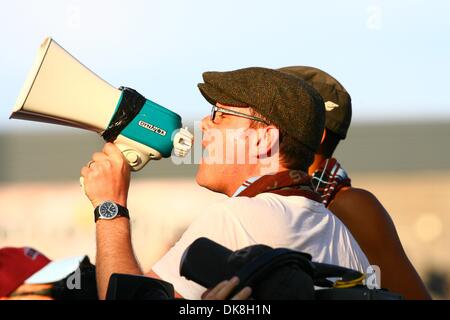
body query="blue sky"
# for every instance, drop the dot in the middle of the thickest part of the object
(392, 56)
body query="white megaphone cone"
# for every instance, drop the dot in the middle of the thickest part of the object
(61, 90)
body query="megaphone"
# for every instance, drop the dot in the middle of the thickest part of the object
(61, 90)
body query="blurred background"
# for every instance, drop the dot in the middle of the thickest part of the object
(392, 57)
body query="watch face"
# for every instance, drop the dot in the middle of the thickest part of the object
(108, 210)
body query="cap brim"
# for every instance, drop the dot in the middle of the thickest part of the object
(213, 96)
(55, 270)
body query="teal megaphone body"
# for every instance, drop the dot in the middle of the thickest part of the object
(146, 127)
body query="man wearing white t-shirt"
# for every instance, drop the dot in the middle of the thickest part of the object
(259, 141)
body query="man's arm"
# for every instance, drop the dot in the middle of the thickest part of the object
(114, 252)
(108, 178)
(374, 230)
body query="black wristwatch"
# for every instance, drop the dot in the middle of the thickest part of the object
(109, 210)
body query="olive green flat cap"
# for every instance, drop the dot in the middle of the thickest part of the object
(285, 100)
(338, 103)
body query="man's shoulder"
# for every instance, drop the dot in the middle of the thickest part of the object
(267, 211)
(267, 199)
(296, 201)
(269, 206)
(227, 208)
(237, 206)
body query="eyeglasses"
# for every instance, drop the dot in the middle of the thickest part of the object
(234, 113)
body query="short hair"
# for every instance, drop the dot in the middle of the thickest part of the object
(294, 154)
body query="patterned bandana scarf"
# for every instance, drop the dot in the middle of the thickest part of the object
(328, 179)
(285, 183)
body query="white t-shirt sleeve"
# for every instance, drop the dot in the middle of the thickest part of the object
(217, 225)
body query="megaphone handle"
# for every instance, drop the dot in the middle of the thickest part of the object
(136, 160)
(136, 153)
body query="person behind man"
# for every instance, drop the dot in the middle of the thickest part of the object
(359, 209)
(270, 198)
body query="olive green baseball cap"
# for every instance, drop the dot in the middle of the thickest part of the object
(338, 103)
(287, 101)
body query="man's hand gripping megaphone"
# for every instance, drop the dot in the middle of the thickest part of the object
(134, 155)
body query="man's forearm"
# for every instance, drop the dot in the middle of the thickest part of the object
(114, 252)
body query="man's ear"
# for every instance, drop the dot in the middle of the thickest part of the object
(266, 142)
(324, 135)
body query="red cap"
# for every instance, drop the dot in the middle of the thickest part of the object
(17, 265)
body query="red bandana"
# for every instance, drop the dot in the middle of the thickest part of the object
(328, 179)
(285, 183)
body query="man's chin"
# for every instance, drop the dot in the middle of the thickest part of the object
(200, 177)
(206, 180)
